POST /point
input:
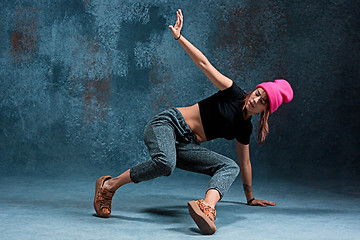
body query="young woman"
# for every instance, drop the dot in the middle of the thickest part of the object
(173, 139)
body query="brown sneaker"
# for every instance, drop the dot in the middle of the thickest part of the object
(103, 197)
(203, 215)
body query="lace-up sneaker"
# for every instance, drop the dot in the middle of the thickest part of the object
(103, 197)
(203, 215)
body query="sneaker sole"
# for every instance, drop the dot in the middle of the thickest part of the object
(204, 223)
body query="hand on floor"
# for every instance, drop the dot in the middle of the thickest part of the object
(263, 203)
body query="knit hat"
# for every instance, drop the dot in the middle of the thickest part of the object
(278, 92)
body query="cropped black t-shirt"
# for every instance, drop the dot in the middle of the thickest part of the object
(221, 115)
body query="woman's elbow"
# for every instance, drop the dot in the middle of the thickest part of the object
(204, 63)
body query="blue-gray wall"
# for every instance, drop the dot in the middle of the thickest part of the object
(80, 79)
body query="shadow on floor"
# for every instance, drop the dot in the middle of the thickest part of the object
(185, 230)
(126, 218)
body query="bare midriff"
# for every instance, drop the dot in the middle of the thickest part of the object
(192, 118)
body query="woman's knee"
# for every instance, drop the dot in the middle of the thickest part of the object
(148, 133)
(165, 166)
(232, 167)
(236, 169)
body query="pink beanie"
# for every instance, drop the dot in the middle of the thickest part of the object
(278, 92)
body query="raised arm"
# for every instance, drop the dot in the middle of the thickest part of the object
(246, 175)
(219, 80)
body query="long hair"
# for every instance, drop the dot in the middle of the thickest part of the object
(263, 128)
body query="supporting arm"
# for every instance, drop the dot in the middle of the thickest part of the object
(246, 175)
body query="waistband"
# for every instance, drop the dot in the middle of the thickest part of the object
(189, 134)
(176, 119)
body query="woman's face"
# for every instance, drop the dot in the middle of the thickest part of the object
(257, 101)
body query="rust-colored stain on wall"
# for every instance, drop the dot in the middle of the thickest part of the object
(246, 32)
(25, 35)
(96, 98)
(95, 83)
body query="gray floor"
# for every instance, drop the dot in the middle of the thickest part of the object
(61, 208)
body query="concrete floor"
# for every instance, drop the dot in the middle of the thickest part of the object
(62, 208)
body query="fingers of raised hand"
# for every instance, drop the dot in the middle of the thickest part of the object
(179, 15)
(179, 19)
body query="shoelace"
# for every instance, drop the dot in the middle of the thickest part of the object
(208, 211)
(106, 199)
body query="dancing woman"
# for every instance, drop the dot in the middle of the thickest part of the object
(173, 138)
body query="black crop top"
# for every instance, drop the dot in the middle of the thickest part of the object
(221, 115)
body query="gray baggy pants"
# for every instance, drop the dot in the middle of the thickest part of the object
(171, 143)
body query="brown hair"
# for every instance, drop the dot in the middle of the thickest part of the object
(263, 129)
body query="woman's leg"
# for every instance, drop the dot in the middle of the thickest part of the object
(160, 139)
(212, 196)
(223, 171)
(114, 183)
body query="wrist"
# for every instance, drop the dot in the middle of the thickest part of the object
(177, 38)
(250, 201)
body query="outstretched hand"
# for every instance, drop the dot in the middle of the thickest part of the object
(262, 203)
(175, 30)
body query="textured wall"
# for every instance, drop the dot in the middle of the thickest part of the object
(80, 79)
